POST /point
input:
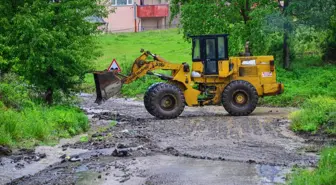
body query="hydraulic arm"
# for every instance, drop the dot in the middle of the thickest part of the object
(109, 83)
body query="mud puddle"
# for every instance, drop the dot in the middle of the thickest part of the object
(158, 169)
(162, 169)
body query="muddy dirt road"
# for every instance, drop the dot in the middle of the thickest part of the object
(203, 146)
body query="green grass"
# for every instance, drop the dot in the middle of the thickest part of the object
(325, 174)
(84, 139)
(317, 114)
(32, 126)
(113, 123)
(25, 122)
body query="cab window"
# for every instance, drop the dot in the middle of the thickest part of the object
(210, 49)
(196, 50)
(221, 48)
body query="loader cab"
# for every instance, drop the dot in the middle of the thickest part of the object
(207, 51)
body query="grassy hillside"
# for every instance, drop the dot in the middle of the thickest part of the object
(125, 47)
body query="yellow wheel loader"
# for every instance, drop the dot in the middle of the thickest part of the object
(214, 79)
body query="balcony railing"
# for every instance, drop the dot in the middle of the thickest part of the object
(147, 11)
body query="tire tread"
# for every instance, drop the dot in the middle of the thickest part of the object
(154, 91)
(226, 96)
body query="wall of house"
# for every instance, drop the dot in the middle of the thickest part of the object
(122, 20)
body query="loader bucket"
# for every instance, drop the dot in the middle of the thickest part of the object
(108, 84)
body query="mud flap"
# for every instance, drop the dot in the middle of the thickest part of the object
(108, 84)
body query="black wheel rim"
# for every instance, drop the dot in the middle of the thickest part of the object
(168, 102)
(240, 98)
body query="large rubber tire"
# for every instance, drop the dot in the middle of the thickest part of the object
(147, 99)
(164, 101)
(240, 98)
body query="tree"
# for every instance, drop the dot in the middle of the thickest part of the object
(242, 19)
(50, 43)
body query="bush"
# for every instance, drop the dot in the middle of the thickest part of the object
(317, 114)
(14, 93)
(325, 173)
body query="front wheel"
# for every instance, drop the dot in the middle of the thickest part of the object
(240, 98)
(164, 101)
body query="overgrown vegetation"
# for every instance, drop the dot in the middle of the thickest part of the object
(25, 121)
(40, 124)
(324, 174)
(317, 114)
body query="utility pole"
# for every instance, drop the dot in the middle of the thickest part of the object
(135, 16)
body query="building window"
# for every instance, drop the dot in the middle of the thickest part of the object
(163, 1)
(121, 2)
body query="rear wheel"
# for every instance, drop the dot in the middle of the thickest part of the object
(164, 101)
(240, 98)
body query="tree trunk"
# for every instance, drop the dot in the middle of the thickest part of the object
(286, 52)
(244, 11)
(49, 96)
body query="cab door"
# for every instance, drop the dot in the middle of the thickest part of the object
(210, 56)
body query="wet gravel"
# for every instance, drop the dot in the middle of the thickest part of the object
(208, 133)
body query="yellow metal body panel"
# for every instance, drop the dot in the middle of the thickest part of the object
(224, 69)
(190, 94)
(256, 71)
(197, 66)
(273, 89)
